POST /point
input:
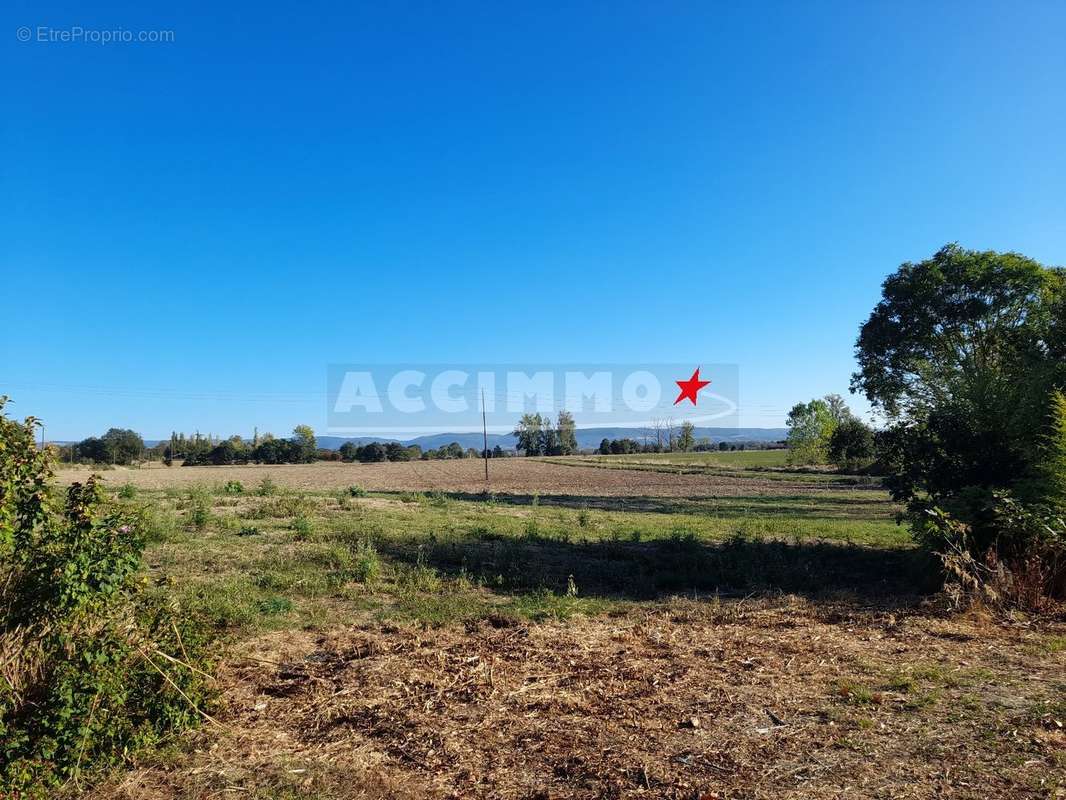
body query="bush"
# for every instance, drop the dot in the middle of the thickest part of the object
(127, 491)
(366, 565)
(302, 528)
(199, 511)
(997, 550)
(233, 487)
(91, 668)
(266, 487)
(357, 491)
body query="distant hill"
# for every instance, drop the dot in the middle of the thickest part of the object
(587, 438)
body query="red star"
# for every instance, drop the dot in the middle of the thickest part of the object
(690, 387)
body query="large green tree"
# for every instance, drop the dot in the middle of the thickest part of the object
(962, 355)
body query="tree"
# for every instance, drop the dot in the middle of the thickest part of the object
(529, 433)
(394, 451)
(851, 445)
(306, 444)
(566, 434)
(962, 354)
(373, 453)
(124, 445)
(686, 439)
(605, 447)
(809, 427)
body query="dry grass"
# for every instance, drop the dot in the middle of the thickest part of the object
(782, 699)
(507, 475)
(433, 680)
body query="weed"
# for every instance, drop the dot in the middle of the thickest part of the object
(856, 694)
(267, 487)
(302, 528)
(365, 563)
(233, 487)
(127, 491)
(199, 510)
(355, 490)
(272, 606)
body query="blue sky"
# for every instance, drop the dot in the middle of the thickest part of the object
(191, 232)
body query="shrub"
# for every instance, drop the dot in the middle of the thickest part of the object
(996, 549)
(365, 563)
(266, 487)
(356, 491)
(302, 528)
(199, 511)
(91, 668)
(233, 487)
(127, 491)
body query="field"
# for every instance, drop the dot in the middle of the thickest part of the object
(704, 626)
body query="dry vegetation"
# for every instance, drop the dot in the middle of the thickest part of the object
(783, 699)
(586, 632)
(507, 475)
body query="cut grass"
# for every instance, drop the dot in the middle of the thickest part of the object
(440, 559)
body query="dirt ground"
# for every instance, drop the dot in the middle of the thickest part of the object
(692, 700)
(507, 475)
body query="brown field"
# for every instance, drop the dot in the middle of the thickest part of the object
(507, 475)
(586, 632)
(690, 701)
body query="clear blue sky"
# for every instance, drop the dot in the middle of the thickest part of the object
(191, 232)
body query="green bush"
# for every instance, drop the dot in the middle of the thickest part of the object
(199, 507)
(302, 528)
(357, 491)
(233, 487)
(365, 562)
(266, 487)
(127, 491)
(92, 669)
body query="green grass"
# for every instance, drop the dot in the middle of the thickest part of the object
(259, 561)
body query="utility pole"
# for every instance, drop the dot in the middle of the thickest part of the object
(485, 435)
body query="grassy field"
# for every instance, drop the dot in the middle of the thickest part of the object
(409, 634)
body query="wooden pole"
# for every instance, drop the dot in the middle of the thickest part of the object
(485, 436)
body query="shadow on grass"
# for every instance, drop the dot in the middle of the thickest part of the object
(681, 564)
